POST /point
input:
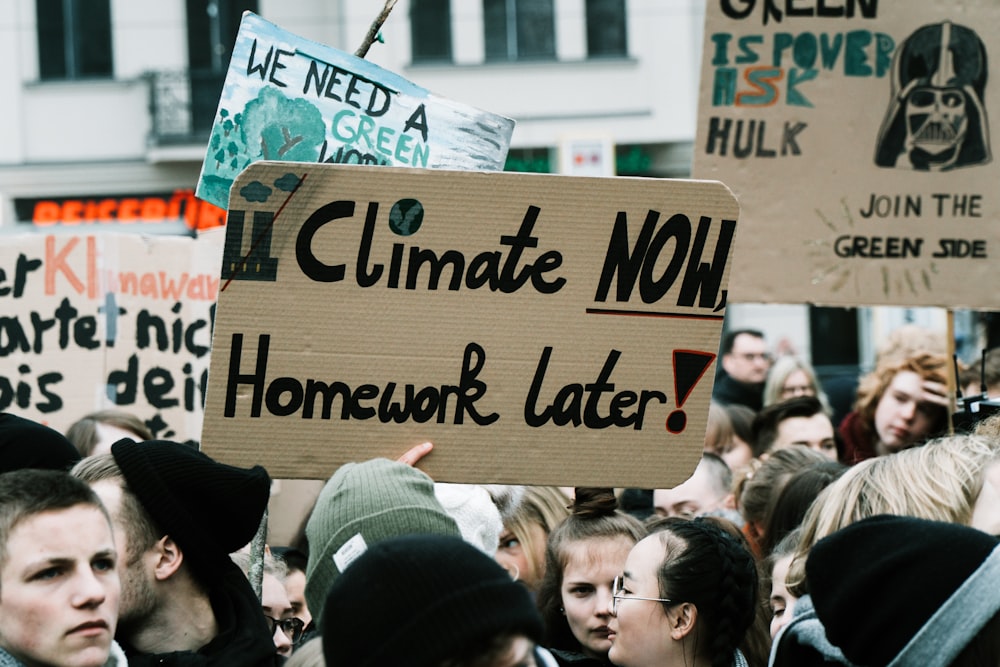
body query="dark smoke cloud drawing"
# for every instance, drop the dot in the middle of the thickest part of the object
(936, 120)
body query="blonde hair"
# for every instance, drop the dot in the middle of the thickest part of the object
(83, 432)
(989, 427)
(910, 340)
(719, 430)
(778, 375)
(545, 506)
(761, 488)
(939, 481)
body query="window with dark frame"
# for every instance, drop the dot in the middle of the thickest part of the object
(74, 39)
(519, 30)
(430, 31)
(606, 33)
(212, 26)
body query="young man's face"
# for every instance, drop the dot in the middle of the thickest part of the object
(815, 432)
(59, 589)
(694, 497)
(137, 596)
(902, 418)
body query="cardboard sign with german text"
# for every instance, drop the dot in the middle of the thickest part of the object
(537, 329)
(108, 320)
(857, 137)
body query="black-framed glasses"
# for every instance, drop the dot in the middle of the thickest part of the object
(292, 627)
(618, 593)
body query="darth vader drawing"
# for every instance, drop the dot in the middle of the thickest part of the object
(936, 120)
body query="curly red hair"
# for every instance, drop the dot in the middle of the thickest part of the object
(927, 365)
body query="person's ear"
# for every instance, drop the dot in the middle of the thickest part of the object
(682, 620)
(168, 558)
(729, 501)
(727, 361)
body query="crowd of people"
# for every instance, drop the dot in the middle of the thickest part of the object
(840, 528)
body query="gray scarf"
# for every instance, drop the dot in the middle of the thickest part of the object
(115, 659)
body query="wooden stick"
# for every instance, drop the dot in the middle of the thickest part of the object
(952, 381)
(257, 546)
(375, 27)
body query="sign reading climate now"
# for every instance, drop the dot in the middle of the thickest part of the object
(533, 327)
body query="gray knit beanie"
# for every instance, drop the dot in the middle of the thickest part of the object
(362, 504)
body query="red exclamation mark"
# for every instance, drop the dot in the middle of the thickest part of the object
(689, 368)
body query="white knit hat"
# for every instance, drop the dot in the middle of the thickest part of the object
(472, 508)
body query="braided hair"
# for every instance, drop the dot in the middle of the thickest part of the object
(710, 568)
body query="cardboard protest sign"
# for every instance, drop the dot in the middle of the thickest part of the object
(291, 99)
(538, 329)
(856, 136)
(108, 320)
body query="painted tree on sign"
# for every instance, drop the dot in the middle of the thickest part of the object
(277, 128)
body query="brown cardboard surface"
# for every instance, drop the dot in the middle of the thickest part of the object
(803, 112)
(107, 320)
(293, 270)
(289, 507)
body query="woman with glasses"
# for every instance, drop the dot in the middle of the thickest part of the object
(687, 596)
(791, 377)
(274, 602)
(583, 555)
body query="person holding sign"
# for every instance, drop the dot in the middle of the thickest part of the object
(900, 404)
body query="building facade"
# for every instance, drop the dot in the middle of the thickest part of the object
(108, 102)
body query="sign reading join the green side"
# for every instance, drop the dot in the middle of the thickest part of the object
(291, 99)
(537, 329)
(857, 136)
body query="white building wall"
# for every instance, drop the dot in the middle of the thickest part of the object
(13, 51)
(650, 97)
(92, 121)
(647, 98)
(148, 35)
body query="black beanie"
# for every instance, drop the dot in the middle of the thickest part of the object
(421, 599)
(876, 584)
(28, 444)
(210, 509)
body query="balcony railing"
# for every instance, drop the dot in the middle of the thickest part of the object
(182, 105)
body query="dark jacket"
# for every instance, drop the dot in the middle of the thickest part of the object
(803, 642)
(728, 391)
(243, 639)
(571, 659)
